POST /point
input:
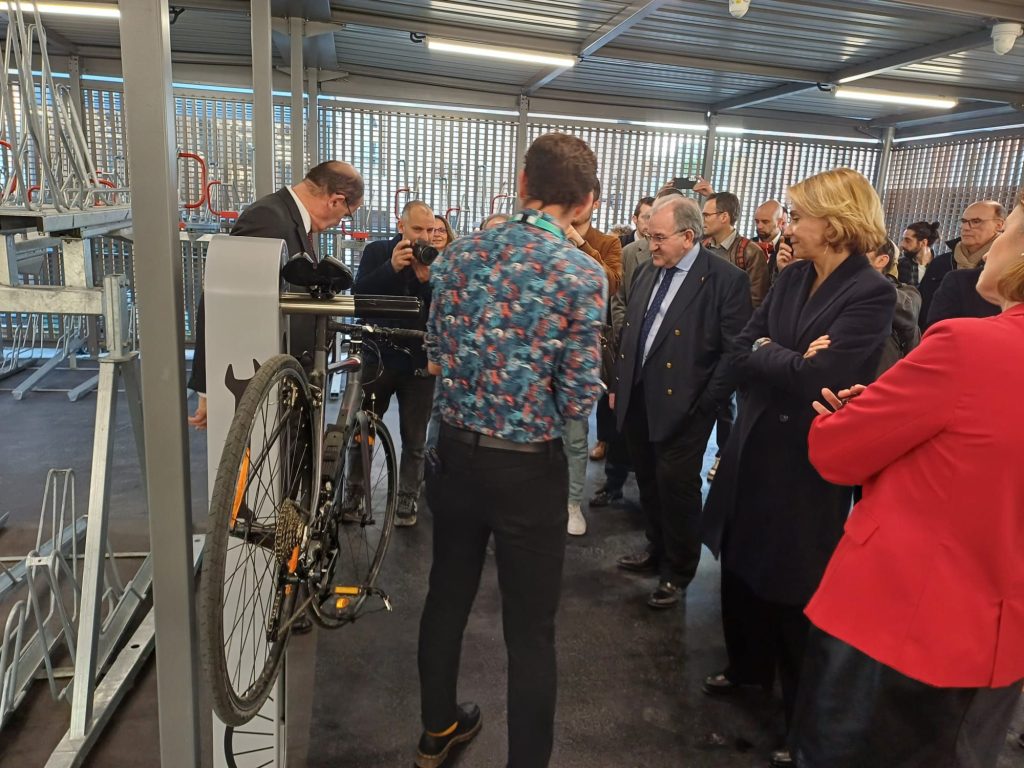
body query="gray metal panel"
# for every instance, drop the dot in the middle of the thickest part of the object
(936, 181)
(981, 67)
(657, 81)
(761, 168)
(561, 19)
(385, 49)
(816, 35)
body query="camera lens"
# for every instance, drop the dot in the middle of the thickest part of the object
(424, 253)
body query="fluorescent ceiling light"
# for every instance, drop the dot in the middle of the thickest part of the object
(505, 54)
(886, 97)
(99, 10)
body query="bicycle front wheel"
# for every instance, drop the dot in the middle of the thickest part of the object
(362, 522)
(258, 513)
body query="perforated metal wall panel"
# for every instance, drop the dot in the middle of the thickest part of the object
(632, 163)
(936, 181)
(756, 169)
(456, 164)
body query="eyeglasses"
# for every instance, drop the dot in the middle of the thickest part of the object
(974, 222)
(660, 239)
(711, 213)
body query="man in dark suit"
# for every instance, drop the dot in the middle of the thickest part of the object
(680, 335)
(958, 297)
(389, 268)
(330, 192)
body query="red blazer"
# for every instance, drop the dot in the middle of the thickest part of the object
(929, 576)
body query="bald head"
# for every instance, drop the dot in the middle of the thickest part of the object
(330, 191)
(769, 220)
(417, 222)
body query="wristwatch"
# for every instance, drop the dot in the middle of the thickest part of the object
(760, 343)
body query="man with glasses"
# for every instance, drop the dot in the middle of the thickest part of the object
(687, 308)
(389, 268)
(330, 192)
(947, 288)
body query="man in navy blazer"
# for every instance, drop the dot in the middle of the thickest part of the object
(674, 370)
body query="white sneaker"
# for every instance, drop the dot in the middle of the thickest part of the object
(577, 522)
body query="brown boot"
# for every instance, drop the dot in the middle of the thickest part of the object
(600, 450)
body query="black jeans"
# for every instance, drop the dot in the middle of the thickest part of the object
(617, 464)
(854, 711)
(762, 639)
(415, 400)
(668, 475)
(521, 498)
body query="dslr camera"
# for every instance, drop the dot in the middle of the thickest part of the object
(424, 252)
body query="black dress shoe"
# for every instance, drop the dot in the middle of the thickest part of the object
(720, 685)
(604, 497)
(641, 562)
(433, 750)
(666, 595)
(781, 759)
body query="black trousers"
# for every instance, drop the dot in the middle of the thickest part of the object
(415, 395)
(606, 431)
(522, 499)
(668, 475)
(854, 711)
(763, 639)
(617, 464)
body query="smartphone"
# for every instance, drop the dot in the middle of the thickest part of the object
(788, 241)
(681, 182)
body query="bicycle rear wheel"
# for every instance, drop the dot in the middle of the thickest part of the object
(369, 481)
(258, 513)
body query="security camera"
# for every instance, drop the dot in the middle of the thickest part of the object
(739, 8)
(1004, 35)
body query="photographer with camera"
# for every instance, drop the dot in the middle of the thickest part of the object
(399, 267)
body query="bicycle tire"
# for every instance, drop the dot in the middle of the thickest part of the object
(360, 554)
(230, 497)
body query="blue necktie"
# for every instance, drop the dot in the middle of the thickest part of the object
(652, 313)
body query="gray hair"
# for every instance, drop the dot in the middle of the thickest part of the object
(494, 220)
(686, 214)
(413, 205)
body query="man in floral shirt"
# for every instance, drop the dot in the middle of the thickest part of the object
(514, 334)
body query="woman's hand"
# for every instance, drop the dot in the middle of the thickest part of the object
(836, 401)
(820, 343)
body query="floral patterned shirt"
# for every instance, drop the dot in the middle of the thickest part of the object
(515, 326)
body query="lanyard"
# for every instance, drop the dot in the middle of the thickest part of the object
(540, 221)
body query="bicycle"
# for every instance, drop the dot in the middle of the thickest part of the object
(275, 527)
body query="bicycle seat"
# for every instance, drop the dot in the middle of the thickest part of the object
(327, 278)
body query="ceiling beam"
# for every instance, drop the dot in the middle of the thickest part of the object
(621, 24)
(1005, 10)
(866, 69)
(703, 63)
(63, 44)
(960, 112)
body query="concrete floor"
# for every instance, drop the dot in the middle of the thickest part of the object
(629, 691)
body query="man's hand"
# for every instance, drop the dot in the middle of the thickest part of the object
(703, 187)
(836, 401)
(402, 256)
(785, 255)
(198, 419)
(611, 401)
(422, 271)
(574, 237)
(925, 255)
(819, 344)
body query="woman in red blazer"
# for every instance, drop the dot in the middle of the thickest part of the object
(918, 655)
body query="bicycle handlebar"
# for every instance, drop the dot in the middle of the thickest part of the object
(352, 306)
(376, 331)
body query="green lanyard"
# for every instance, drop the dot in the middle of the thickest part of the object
(540, 221)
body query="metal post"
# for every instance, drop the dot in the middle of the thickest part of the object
(75, 76)
(146, 63)
(709, 146)
(296, 29)
(884, 161)
(262, 99)
(313, 116)
(521, 136)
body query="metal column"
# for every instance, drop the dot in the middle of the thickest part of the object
(146, 63)
(296, 29)
(521, 136)
(884, 160)
(313, 116)
(262, 100)
(709, 146)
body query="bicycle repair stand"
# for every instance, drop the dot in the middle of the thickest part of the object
(244, 327)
